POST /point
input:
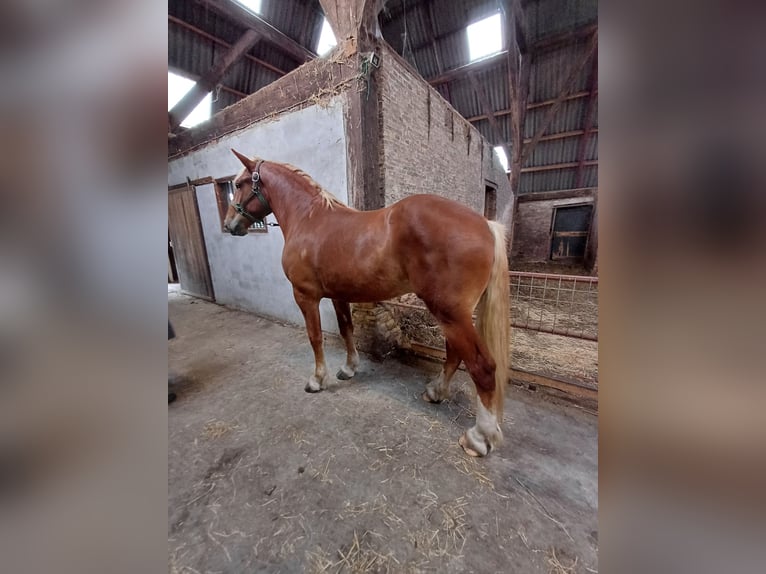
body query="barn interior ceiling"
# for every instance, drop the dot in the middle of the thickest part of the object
(547, 57)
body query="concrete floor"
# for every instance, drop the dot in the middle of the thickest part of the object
(363, 477)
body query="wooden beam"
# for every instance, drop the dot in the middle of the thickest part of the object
(544, 103)
(559, 194)
(553, 166)
(239, 15)
(566, 88)
(477, 66)
(497, 133)
(560, 40)
(532, 106)
(587, 122)
(215, 40)
(520, 26)
(210, 78)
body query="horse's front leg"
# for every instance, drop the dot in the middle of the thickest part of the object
(346, 327)
(310, 308)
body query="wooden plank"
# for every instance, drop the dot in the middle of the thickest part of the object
(571, 387)
(241, 16)
(560, 194)
(210, 78)
(477, 66)
(566, 88)
(553, 166)
(185, 230)
(574, 388)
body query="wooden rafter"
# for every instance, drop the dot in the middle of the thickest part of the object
(477, 66)
(569, 83)
(240, 15)
(216, 40)
(531, 106)
(497, 133)
(550, 167)
(210, 78)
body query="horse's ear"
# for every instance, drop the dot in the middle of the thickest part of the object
(246, 161)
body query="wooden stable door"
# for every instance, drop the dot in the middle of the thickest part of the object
(188, 243)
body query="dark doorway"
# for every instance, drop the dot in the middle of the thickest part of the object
(490, 202)
(569, 235)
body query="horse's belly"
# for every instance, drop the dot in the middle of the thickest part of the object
(365, 290)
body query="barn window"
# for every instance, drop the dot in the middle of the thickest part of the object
(224, 195)
(326, 39)
(178, 86)
(485, 37)
(500, 153)
(570, 228)
(252, 5)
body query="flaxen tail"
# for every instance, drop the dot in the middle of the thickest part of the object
(493, 322)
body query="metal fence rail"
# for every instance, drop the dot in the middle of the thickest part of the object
(564, 305)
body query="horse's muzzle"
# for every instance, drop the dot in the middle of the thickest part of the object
(237, 229)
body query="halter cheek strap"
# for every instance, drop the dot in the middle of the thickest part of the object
(256, 191)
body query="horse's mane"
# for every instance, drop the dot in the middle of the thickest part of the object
(326, 198)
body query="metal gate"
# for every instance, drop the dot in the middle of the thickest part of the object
(554, 320)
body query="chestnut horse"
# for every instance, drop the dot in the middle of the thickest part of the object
(445, 253)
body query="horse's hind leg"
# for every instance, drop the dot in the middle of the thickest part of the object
(486, 433)
(310, 308)
(438, 389)
(343, 312)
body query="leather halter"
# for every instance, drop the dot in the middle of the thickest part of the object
(255, 191)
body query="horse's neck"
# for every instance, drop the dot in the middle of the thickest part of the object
(292, 200)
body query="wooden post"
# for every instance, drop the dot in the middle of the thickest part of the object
(355, 21)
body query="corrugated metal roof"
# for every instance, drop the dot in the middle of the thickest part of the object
(436, 41)
(432, 36)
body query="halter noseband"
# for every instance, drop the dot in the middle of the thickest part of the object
(256, 191)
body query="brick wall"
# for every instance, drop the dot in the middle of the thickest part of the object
(531, 238)
(427, 147)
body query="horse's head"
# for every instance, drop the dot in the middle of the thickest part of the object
(249, 204)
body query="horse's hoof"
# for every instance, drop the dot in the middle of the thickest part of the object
(426, 397)
(343, 376)
(309, 389)
(463, 442)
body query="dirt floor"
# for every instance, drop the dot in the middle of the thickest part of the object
(363, 477)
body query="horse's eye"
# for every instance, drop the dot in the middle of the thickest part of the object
(237, 185)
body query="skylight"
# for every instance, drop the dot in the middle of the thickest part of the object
(326, 39)
(178, 86)
(485, 37)
(252, 5)
(500, 152)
